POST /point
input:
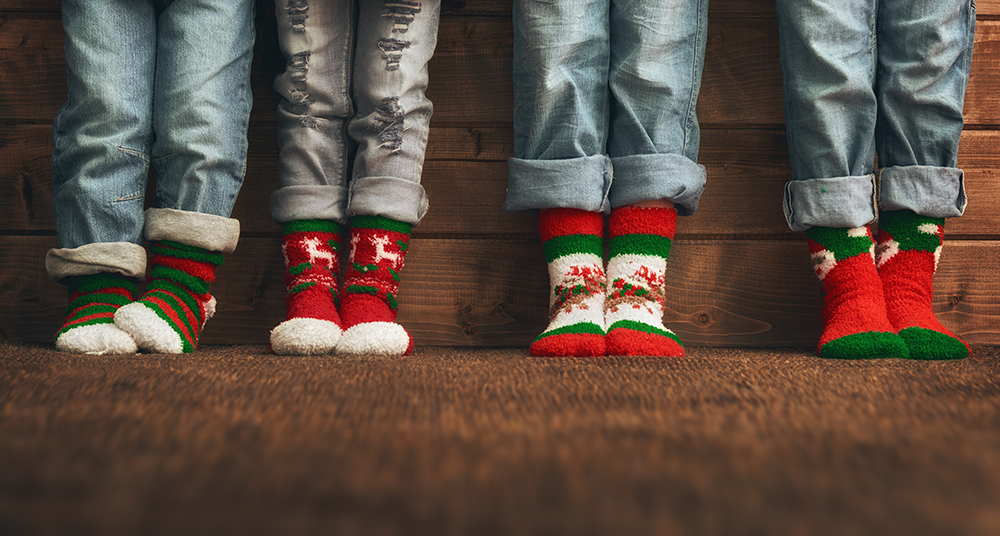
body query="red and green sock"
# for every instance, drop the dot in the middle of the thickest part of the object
(89, 327)
(371, 286)
(573, 242)
(855, 325)
(909, 246)
(640, 245)
(312, 326)
(169, 317)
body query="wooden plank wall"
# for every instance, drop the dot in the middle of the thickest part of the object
(476, 276)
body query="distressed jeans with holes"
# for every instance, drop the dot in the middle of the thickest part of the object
(162, 83)
(866, 77)
(354, 87)
(604, 103)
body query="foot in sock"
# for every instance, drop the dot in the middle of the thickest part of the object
(855, 325)
(909, 246)
(368, 307)
(640, 245)
(169, 317)
(89, 327)
(311, 252)
(573, 242)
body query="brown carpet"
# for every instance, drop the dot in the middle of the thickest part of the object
(232, 440)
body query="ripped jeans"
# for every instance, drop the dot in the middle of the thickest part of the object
(353, 90)
(161, 83)
(604, 103)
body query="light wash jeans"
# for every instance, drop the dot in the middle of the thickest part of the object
(867, 77)
(354, 88)
(162, 83)
(604, 103)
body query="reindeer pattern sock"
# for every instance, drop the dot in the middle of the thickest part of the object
(369, 303)
(640, 245)
(855, 325)
(89, 327)
(573, 242)
(312, 325)
(909, 246)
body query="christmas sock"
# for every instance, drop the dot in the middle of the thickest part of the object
(368, 307)
(89, 327)
(312, 326)
(169, 317)
(633, 309)
(573, 242)
(909, 247)
(855, 325)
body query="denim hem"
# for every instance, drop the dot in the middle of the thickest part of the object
(648, 177)
(398, 199)
(582, 183)
(308, 202)
(124, 258)
(206, 231)
(841, 202)
(936, 192)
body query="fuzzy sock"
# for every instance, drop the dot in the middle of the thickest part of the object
(633, 309)
(368, 307)
(312, 261)
(169, 317)
(855, 325)
(89, 327)
(573, 241)
(909, 247)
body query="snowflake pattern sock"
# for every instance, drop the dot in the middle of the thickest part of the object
(89, 327)
(573, 241)
(640, 245)
(369, 302)
(312, 325)
(170, 315)
(855, 325)
(909, 246)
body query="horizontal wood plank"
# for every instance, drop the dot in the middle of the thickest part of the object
(495, 293)
(470, 73)
(746, 168)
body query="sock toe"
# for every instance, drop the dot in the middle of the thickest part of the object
(150, 332)
(96, 339)
(588, 342)
(865, 345)
(375, 338)
(933, 345)
(305, 336)
(648, 342)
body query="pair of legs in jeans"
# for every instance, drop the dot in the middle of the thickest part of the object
(145, 90)
(352, 93)
(862, 78)
(604, 122)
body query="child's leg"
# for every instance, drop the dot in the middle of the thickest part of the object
(855, 325)
(311, 249)
(640, 245)
(573, 242)
(909, 246)
(371, 287)
(187, 247)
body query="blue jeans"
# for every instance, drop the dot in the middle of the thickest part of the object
(604, 103)
(162, 83)
(872, 77)
(353, 87)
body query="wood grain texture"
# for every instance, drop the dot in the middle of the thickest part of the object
(747, 293)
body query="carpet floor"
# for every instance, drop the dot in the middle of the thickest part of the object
(233, 440)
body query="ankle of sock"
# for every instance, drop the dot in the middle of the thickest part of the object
(641, 239)
(573, 242)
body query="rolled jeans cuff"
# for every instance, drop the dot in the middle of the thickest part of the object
(648, 177)
(936, 192)
(580, 183)
(394, 198)
(843, 202)
(124, 258)
(206, 231)
(309, 202)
